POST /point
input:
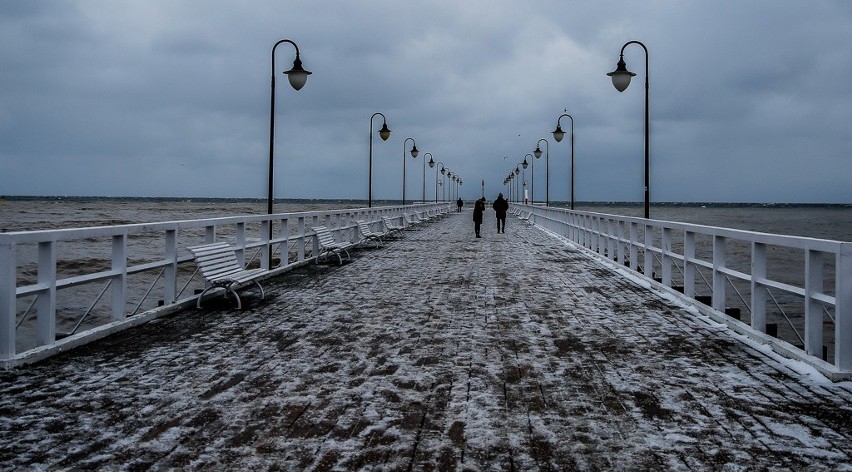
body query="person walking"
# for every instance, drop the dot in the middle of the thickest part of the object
(478, 211)
(459, 204)
(500, 207)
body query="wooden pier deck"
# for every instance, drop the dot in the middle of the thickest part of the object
(438, 351)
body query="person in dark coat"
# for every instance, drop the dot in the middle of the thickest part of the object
(478, 211)
(459, 204)
(500, 207)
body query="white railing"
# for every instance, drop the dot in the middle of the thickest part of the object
(63, 274)
(803, 283)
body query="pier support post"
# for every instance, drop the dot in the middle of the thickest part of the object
(843, 309)
(813, 308)
(719, 264)
(648, 253)
(688, 264)
(8, 300)
(666, 258)
(170, 271)
(119, 282)
(758, 292)
(46, 326)
(266, 249)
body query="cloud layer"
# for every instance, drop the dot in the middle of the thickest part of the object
(749, 101)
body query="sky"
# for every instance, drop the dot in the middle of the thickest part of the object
(749, 100)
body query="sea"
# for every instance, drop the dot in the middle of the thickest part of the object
(822, 221)
(830, 221)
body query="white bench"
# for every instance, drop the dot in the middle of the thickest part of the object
(391, 227)
(219, 267)
(526, 216)
(368, 234)
(411, 220)
(327, 244)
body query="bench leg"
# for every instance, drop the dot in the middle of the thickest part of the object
(198, 303)
(262, 294)
(239, 303)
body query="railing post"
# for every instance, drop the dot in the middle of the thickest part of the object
(285, 243)
(170, 271)
(648, 253)
(719, 263)
(266, 248)
(758, 291)
(621, 238)
(119, 282)
(666, 258)
(240, 250)
(300, 245)
(8, 299)
(610, 239)
(46, 330)
(843, 309)
(688, 264)
(813, 308)
(634, 245)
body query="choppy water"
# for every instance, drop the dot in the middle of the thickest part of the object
(24, 214)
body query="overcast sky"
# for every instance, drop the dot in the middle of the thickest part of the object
(750, 101)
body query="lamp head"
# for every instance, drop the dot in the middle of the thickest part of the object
(525, 164)
(297, 75)
(621, 76)
(384, 133)
(431, 163)
(517, 171)
(537, 152)
(558, 134)
(414, 151)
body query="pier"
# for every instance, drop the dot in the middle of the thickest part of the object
(436, 351)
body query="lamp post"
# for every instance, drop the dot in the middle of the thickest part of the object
(443, 170)
(414, 153)
(384, 133)
(558, 134)
(620, 80)
(431, 163)
(532, 178)
(537, 154)
(297, 77)
(517, 171)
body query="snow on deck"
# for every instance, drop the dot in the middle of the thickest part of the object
(437, 351)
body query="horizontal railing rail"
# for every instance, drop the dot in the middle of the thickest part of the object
(36, 266)
(819, 279)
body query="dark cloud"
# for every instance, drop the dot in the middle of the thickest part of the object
(749, 100)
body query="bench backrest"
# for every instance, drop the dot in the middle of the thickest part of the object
(215, 259)
(323, 235)
(364, 228)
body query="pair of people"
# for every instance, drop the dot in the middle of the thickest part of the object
(500, 206)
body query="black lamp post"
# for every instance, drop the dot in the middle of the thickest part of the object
(537, 154)
(443, 171)
(384, 133)
(532, 176)
(558, 134)
(414, 153)
(620, 80)
(297, 77)
(431, 163)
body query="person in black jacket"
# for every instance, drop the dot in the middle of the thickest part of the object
(500, 207)
(478, 211)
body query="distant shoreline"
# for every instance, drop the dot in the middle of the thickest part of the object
(350, 201)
